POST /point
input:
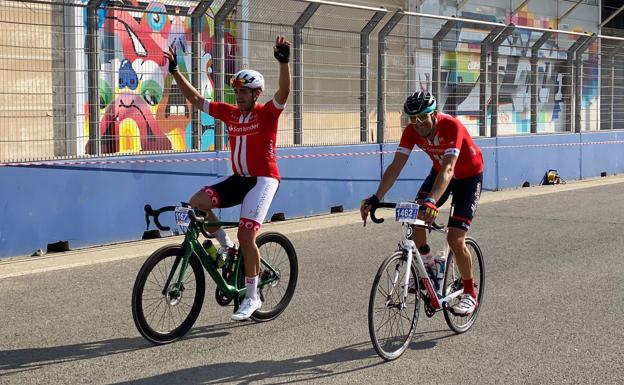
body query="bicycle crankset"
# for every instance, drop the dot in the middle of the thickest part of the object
(221, 298)
(429, 310)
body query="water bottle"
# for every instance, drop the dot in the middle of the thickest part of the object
(440, 261)
(429, 263)
(213, 252)
(230, 260)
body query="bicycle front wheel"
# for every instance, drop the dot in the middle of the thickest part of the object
(392, 318)
(163, 313)
(453, 282)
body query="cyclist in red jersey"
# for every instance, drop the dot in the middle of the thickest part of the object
(457, 168)
(252, 131)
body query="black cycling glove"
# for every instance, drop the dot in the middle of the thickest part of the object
(282, 53)
(173, 64)
(372, 200)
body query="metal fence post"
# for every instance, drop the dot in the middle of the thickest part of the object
(364, 67)
(381, 68)
(610, 58)
(298, 70)
(494, 77)
(219, 65)
(436, 52)
(486, 46)
(93, 77)
(69, 40)
(196, 16)
(570, 89)
(533, 80)
(578, 80)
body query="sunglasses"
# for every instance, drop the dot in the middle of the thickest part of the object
(420, 118)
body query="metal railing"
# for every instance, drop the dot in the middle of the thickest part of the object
(83, 78)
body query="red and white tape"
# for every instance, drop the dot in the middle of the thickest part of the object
(70, 162)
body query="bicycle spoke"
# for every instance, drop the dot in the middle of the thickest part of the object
(157, 305)
(391, 315)
(453, 283)
(164, 311)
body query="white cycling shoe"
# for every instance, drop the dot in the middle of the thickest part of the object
(246, 309)
(466, 306)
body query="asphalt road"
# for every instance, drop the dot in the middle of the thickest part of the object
(552, 312)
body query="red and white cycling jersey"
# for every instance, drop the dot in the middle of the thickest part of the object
(451, 138)
(252, 137)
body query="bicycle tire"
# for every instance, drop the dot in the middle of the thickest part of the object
(269, 244)
(392, 348)
(155, 276)
(452, 281)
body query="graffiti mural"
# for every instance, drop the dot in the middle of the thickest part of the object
(141, 106)
(460, 63)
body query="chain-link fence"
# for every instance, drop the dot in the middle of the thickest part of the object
(88, 78)
(497, 79)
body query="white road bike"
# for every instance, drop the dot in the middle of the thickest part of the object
(402, 283)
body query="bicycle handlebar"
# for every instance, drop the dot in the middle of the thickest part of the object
(388, 205)
(150, 212)
(391, 205)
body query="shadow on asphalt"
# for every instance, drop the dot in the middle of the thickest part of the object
(300, 369)
(27, 359)
(306, 368)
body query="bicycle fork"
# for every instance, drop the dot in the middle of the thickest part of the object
(407, 246)
(177, 288)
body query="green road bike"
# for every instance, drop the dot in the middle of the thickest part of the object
(169, 289)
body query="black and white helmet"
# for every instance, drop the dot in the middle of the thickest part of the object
(421, 102)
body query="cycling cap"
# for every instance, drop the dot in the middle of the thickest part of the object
(248, 78)
(419, 103)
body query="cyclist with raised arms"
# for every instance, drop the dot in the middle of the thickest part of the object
(457, 168)
(252, 131)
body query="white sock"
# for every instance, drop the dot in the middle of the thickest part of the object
(251, 283)
(223, 238)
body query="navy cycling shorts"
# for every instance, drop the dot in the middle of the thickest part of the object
(466, 193)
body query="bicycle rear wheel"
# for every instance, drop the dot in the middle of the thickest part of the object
(165, 314)
(279, 253)
(453, 282)
(391, 318)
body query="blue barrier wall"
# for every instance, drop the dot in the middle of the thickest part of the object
(598, 155)
(90, 204)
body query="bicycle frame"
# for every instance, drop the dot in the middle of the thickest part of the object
(409, 249)
(192, 246)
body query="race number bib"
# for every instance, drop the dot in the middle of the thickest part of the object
(181, 216)
(406, 212)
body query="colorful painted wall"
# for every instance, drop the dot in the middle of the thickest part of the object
(461, 67)
(141, 107)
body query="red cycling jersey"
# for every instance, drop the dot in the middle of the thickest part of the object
(451, 138)
(252, 137)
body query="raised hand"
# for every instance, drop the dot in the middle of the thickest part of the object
(173, 59)
(281, 49)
